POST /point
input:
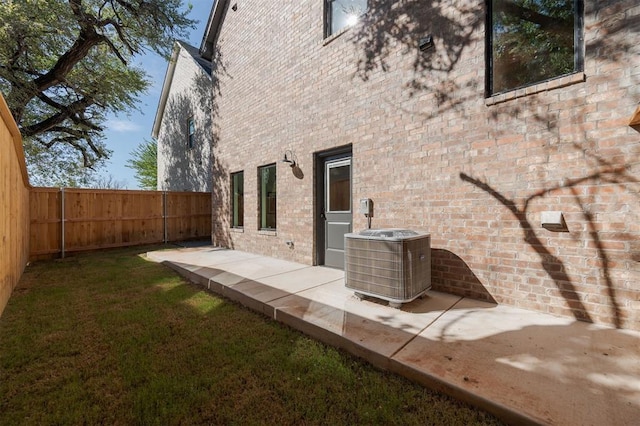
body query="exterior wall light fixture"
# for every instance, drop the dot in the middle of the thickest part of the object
(289, 158)
(426, 43)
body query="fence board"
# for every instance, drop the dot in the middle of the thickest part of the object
(188, 216)
(96, 219)
(45, 213)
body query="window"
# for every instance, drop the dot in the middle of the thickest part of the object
(237, 200)
(339, 186)
(530, 41)
(191, 132)
(267, 196)
(342, 13)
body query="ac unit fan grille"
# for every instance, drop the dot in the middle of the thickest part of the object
(397, 270)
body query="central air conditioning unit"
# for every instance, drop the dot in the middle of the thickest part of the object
(390, 264)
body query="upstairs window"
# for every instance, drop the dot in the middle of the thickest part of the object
(342, 13)
(191, 132)
(530, 41)
(267, 196)
(237, 200)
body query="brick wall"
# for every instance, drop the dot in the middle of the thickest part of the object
(181, 168)
(435, 155)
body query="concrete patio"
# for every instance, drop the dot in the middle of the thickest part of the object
(523, 366)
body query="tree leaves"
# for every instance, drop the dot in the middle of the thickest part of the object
(64, 65)
(144, 162)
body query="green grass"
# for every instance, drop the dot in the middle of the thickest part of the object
(111, 338)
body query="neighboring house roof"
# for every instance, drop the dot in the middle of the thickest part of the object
(194, 53)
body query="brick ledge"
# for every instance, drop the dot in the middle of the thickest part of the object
(556, 83)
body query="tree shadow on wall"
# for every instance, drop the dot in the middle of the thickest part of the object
(390, 26)
(393, 28)
(187, 167)
(221, 187)
(551, 263)
(197, 167)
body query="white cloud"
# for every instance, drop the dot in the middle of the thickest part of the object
(123, 126)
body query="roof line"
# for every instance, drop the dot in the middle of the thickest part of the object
(166, 85)
(195, 56)
(212, 31)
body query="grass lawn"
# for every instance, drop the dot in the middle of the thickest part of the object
(111, 338)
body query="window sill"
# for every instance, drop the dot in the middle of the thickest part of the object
(556, 83)
(237, 230)
(332, 37)
(269, 232)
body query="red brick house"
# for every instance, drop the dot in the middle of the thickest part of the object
(503, 130)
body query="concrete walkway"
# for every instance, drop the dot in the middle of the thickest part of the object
(523, 366)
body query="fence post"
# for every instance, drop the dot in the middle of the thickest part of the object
(164, 214)
(62, 242)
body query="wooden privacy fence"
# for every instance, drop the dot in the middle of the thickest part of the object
(65, 220)
(14, 205)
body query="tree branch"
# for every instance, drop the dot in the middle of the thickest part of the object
(87, 39)
(72, 140)
(65, 113)
(122, 38)
(548, 23)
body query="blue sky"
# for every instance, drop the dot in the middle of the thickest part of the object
(124, 132)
